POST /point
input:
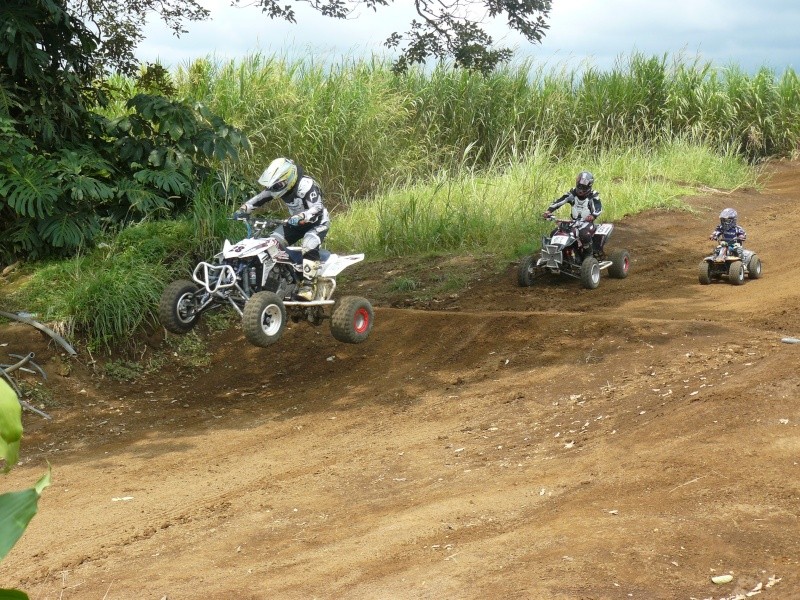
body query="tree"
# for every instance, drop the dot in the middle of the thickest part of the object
(46, 70)
(66, 171)
(445, 29)
(118, 25)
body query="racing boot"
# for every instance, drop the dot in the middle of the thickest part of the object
(308, 290)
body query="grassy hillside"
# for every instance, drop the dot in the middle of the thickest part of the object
(432, 161)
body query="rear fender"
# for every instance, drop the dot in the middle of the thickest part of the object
(601, 235)
(336, 264)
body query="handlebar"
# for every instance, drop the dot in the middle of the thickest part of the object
(557, 220)
(255, 223)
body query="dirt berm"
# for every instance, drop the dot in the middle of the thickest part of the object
(552, 443)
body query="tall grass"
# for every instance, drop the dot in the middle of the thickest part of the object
(359, 128)
(499, 211)
(348, 126)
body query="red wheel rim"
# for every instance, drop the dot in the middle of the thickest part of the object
(361, 320)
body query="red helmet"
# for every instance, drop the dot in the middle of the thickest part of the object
(583, 184)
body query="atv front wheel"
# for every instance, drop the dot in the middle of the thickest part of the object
(264, 319)
(351, 320)
(177, 308)
(590, 273)
(736, 272)
(620, 264)
(525, 271)
(704, 273)
(754, 267)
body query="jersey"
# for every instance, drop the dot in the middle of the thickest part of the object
(305, 197)
(730, 235)
(581, 207)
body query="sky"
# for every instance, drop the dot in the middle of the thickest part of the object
(595, 32)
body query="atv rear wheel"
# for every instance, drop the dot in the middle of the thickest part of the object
(590, 273)
(704, 273)
(620, 264)
(177, 309)
(754, 267)
(525, 271)
(352, 319)
(736, 272)
(264, 319)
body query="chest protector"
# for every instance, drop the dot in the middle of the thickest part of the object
(581, 208)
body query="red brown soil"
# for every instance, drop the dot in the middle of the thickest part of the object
(550, 442)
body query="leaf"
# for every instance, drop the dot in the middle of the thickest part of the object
(175, 132)
(16, 511)
(13, 595)
(68, 230)
(156, 157)
(10, 425)
(30, 187)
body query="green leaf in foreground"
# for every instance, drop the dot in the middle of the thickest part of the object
(13, 595)
(16, 511)
(10, 425)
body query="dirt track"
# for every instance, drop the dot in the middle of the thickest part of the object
(545, 443)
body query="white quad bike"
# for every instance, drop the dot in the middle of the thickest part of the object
(562, 253)
(259, 278)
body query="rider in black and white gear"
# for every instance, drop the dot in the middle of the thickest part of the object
(586, 207)
(309, 218)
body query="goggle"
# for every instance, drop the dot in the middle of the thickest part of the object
(277, 186)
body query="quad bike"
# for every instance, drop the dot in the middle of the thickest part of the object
(563, 253)
(726, 261)
(259, 278)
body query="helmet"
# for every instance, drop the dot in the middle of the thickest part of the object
(727, 218)
(279, 177)
(583, 184)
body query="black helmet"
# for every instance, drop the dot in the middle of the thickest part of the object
(727, 218)
(583, 184)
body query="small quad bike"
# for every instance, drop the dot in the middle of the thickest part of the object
(729, 261)
(259, 279)
(562, 253)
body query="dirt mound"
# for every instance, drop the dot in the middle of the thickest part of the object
(550, 442)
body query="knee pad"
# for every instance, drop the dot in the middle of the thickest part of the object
(281, 240)
(310, 245)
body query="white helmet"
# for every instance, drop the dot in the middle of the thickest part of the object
(279, 177)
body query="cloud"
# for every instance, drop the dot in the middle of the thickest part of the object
(721, 31)
(237, 31)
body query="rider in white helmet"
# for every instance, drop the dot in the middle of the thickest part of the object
(586, 207)
(309, 218)
(729, 231)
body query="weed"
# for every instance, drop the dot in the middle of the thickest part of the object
(123, 370)
(189, 350)
(37, 394)
(220, 320)
(403, 285)
(453, 283)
